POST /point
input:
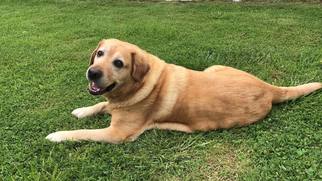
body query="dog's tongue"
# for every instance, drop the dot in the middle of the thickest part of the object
(95, 88)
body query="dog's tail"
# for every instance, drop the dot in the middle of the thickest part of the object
(281, 94)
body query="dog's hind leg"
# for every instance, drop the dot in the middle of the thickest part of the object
(173, 126)
(91, 110)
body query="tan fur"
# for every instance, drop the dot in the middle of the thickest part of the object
(154, 94)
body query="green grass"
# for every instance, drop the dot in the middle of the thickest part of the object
(45, 49)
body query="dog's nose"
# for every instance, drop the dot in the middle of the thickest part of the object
(94, 74)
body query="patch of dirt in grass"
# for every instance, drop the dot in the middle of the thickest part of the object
(218, 161)
(223, 162)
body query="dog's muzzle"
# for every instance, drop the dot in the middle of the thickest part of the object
(94, 89)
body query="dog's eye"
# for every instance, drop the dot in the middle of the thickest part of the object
(118, 63)
(99, 53)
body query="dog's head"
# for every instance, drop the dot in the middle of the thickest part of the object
(114, 64)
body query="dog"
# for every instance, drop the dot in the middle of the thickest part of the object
(144, 92)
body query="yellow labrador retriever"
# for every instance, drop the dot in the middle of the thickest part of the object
(144, 92)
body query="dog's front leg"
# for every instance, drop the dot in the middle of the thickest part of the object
(110, 135)
(91, 110)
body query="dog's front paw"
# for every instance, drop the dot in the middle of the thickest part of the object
(56, 136)
(82, 112)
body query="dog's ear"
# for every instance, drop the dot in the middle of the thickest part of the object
(91, 61)
(139, 67)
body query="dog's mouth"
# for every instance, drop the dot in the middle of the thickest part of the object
(94, 89)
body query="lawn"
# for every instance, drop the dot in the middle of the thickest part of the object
(45, 50)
